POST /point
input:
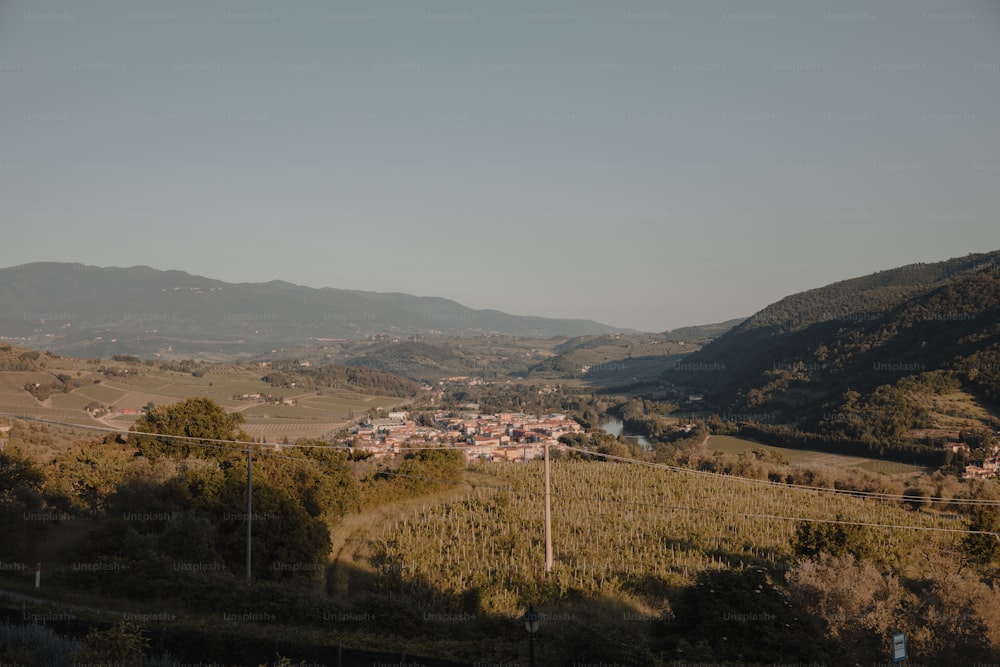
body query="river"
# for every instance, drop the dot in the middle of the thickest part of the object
(615, 426)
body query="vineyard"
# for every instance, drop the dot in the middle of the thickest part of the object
(618, 527)
(628, 539)
(736, 559)
(654, 564)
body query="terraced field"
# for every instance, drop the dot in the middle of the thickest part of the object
(312, 416)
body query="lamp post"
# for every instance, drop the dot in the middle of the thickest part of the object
(531, 619)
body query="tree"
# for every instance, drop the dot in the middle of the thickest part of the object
(199, 418)
(958, 618)
(83, 477)
(18, 476)
(321, 479)
(287, 540)
(983, 548)
(835, 539)
(858, 605)
(20, 495)
(426, 470)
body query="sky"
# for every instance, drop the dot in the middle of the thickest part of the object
(649, 165)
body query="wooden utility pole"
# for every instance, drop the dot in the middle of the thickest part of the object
(249, 504)
(548, 515)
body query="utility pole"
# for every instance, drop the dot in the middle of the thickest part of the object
(249, 504)
(548, 515)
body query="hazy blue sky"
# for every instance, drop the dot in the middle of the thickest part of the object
(649, 165)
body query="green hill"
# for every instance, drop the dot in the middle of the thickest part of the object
(624, 359)
(854, 360)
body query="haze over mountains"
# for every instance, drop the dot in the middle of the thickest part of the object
(91, 311)
(791, 362)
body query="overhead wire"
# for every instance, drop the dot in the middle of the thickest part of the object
(216, 443)
(708, 510)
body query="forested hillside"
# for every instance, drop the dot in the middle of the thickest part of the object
(875, 346)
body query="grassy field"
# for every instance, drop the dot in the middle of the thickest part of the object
(66, 415)
(100, 392)
(343, 403)
(12, 382)
(890, 468)
(73, 401)
(958, 410)
(284, 412)
(314, 415)
(728, 444)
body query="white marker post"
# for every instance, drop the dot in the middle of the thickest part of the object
(899, 647)
(38, 574)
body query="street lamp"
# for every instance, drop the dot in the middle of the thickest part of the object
(531, 619)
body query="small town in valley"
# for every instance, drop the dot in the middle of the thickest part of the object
(505, 436)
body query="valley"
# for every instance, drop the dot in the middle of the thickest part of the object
(772, 467)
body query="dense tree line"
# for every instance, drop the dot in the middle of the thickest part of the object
(361, 379)
(535, 399)
(652, 419)
(184, 366)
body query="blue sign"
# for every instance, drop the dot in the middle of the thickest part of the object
(899, 647)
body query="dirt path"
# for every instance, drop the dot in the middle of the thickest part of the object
(39, 600)
(349, 571)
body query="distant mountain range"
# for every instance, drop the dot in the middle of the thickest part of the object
(96, 312)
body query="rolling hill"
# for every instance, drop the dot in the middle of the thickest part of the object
(860, 359)
(277, 400)
(601, 361)
(96, 312)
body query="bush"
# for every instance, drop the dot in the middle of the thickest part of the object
(835, 539)
(34, 644)
(123, 644)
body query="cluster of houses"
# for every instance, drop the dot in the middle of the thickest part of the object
(988, 469)
(990, 466)
(265, 398)
(505, 436)
(112, 411)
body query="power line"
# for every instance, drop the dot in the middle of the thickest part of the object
(708, 510)
(781, 485)
(676, 469)
(182, 438)
(685, 508)
(240, 445)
